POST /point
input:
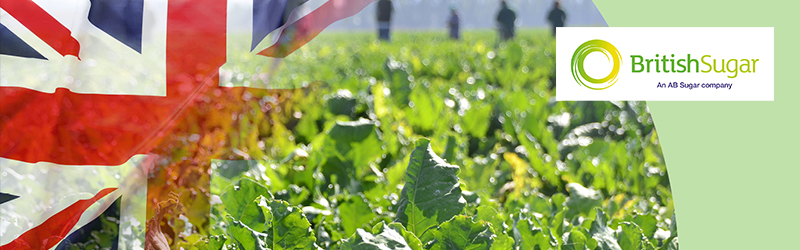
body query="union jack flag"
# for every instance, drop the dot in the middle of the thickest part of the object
(88, 86)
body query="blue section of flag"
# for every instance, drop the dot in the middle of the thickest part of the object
(122, 19)
(4, 197)
(100, 233)
(267, 17)
(12, 45)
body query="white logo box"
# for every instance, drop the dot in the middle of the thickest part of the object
(720, 43)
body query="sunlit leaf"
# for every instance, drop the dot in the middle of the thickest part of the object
(602, 233)
(431, 188)
(245, 237)
(355, 213)
(382, 237)
(241, 203)
(631, 238)
(527, 236)
(460, 233)
(648, 224)
(290, 228)
(577, 241)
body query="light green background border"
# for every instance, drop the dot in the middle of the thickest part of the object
(733, 166)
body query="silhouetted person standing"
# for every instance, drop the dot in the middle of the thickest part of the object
(505, 21)
(557, 17)
(385, 10)
(453, 24)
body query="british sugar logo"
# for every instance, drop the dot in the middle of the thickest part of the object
(578, 64)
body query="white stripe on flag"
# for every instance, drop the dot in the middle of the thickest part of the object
(106, 65)
(240, 26)
(45, 189)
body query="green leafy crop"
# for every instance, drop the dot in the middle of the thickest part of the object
(439, 144)
(432, 194)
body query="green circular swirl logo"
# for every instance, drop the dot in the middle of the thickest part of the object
(587, 48)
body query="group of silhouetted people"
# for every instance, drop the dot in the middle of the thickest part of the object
(506, 19)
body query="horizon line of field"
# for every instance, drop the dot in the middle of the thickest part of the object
(408, 30)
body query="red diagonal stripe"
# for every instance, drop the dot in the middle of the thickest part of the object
(55, 228)
(43, 25)
(309, 26)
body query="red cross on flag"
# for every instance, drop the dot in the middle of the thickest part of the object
(89, 87)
